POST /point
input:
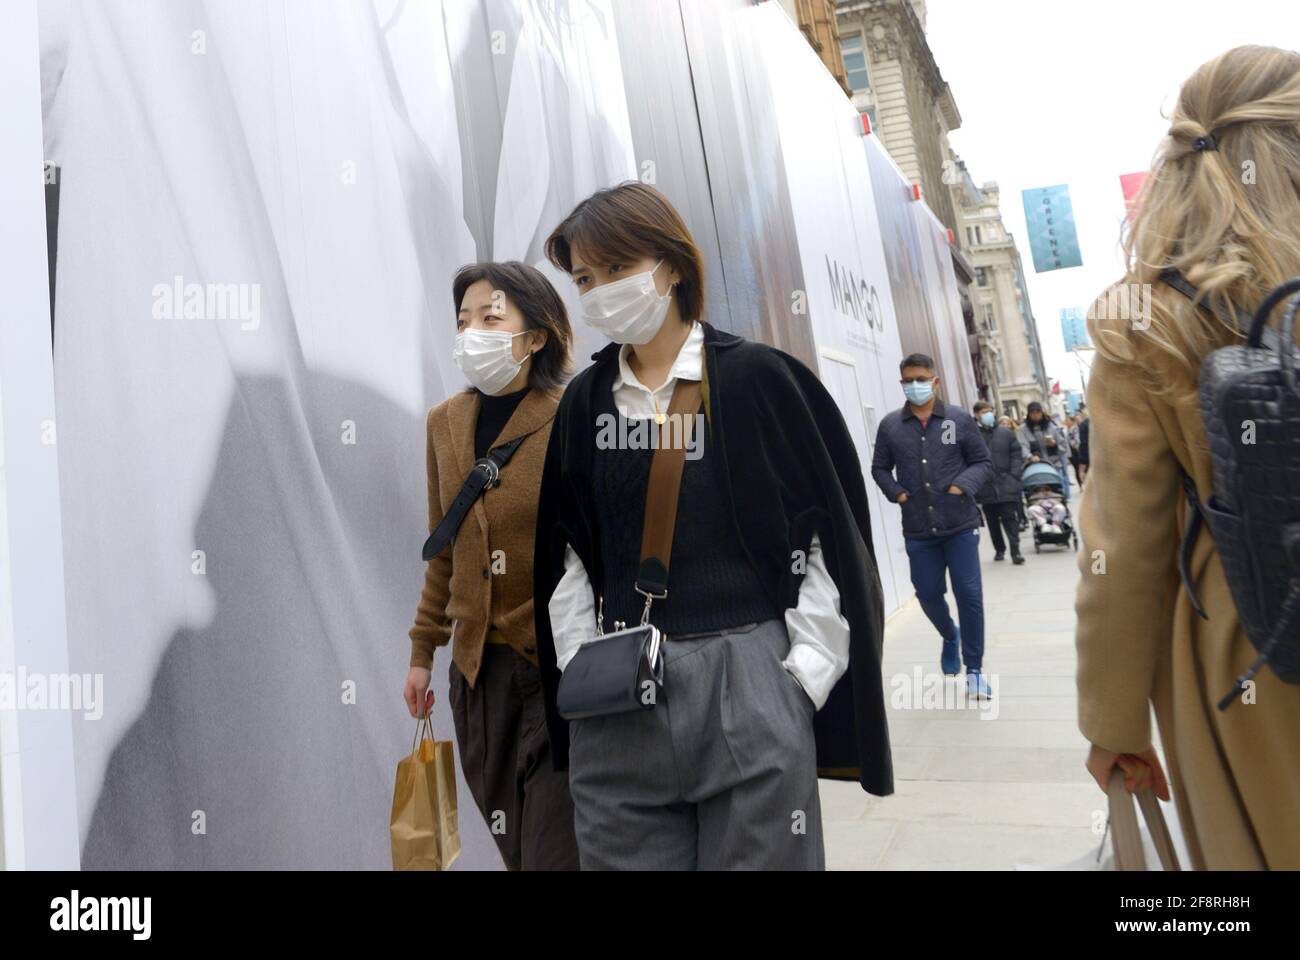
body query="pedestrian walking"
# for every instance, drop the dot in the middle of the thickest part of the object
(1001, 495)
(930, 459)
(513, 346)
(1071, 427)
(1041, 439)
(1085, 431)
(1234, 773)
(1021, 518)
(769, 662)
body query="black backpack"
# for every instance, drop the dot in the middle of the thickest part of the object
(1252, 389)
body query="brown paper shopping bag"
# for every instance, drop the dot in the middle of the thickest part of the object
(424, 828)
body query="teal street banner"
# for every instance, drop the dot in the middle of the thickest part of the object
(1074, 329)
(1049, 221)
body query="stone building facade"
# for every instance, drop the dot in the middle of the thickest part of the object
(911, 106)
(1010, 351)
(877, 51)
(816, 19)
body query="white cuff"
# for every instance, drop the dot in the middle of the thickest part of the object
(816, 673)
(572, 609)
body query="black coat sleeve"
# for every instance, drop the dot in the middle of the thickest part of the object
(555, 510)
(1017, 456)
(979, 462)
(882, 466)
(825, 475)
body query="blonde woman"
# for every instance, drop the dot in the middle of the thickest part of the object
(1222, 205)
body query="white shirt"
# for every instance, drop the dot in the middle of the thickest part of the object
(819, 634)
(635, 400)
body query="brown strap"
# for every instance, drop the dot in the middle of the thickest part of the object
(1125, 834)
(664, 486)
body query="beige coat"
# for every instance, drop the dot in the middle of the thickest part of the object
(485, 578)
(1140, 642)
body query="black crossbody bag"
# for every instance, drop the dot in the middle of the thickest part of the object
(485, 473)
(623, 670)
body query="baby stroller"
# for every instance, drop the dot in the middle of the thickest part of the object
(1045, 475)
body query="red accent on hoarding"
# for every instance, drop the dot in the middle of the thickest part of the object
(1056, 386)
(916, 191)
(1130, 184)
(950, 236)
(866, 124)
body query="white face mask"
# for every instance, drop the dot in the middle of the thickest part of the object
(486, 357)
(628, 310)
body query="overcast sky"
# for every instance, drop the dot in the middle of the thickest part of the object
(1053, 91)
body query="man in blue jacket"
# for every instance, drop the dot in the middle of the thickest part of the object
(930, 459)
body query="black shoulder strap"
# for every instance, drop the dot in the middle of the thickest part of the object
(485, 472)
(1241, 321)
(1195, 520)
(1196, 516)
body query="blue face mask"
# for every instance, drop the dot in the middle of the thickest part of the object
(987, 419)
(919, 393)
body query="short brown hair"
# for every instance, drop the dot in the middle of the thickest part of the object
(627, 222)
(530, 291)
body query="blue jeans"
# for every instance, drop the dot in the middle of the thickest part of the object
(1064, 470)
(932, 561)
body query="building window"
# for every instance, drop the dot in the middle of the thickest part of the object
(1002, 371)
(981, 276)
(990, 319)
(855, 63)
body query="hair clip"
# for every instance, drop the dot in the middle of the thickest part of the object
(1204, 143)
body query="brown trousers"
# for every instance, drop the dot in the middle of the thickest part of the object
(505, 755)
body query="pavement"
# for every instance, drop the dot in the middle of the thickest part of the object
(992, 786)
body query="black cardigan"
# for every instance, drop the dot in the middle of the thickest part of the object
(790, 469)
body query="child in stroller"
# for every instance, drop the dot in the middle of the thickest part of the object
(1045, 503)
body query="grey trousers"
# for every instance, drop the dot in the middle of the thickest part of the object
(721, 774)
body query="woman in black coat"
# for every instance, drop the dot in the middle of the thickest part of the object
(1000, 496)
(774, 613)
(1085, 428)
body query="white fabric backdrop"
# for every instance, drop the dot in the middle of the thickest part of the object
(327, 158)
(335, 161)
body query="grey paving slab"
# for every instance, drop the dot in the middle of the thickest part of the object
(979, 789)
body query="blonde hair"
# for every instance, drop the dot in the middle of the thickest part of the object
(1221, 204)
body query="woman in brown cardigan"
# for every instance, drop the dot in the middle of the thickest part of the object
(1235, 774)
(513, 344)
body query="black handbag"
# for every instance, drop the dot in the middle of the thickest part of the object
(623, 670)
(613, 673)
(1254, 512)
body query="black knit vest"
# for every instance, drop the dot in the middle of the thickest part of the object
(711, 583)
